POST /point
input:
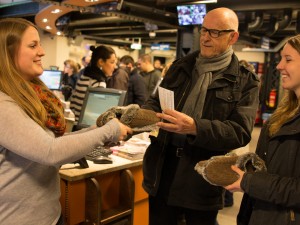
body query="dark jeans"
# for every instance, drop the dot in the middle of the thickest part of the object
(228, 199)
(160, 213)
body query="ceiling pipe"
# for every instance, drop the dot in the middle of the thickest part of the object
(275, 49)
(118, 42)
(298, 23)
(272, 28)
(257, 23)
(286, 21)
(95, 21)
(150, 9)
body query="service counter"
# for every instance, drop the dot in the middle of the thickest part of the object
(104, 193)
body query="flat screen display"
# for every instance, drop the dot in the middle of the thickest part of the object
(52, 79)
(191, 14)
(98, 101)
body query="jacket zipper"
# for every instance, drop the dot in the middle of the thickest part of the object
(182, 95)
(164, 143)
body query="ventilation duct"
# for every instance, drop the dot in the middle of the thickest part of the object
(286, 21)
(298, 23)
(275, 49)
(257, 23)
(272, 28)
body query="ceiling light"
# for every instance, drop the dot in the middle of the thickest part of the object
(206, 1)
(59, 33)
(45, 20)
(152, 34)
(48, 28)
(55, 11)
(91, 0)
(136, 45)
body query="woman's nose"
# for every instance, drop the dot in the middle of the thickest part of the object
(279, 65)
(41, 51)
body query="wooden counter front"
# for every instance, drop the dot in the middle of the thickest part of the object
(74, 184)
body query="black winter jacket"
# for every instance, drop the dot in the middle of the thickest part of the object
(137, 92)
(227, 122)
(277, 191)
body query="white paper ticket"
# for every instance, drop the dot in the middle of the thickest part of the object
(166, 98)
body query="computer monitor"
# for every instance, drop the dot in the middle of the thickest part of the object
(191, 14)
(98, 101)
(52, 79)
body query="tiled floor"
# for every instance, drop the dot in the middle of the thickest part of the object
(227, 216)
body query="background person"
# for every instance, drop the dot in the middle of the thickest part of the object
(119, 79)
(164, 71)
(102, 65)
(69, 78)
(215, 105)
(157, 65)
(151, 76)
(272, 197)
(32, 141)
(85, 61)
(136, 92)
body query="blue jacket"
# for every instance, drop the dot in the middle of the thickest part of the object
(227, 122)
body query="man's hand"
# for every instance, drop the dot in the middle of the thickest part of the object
(179, 122)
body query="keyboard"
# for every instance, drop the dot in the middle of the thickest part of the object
(98, 151)
(94, 156)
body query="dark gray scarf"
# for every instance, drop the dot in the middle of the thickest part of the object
(202, 77)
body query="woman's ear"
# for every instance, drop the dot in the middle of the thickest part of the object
(100, 63)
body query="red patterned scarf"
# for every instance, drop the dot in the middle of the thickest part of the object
(54, 122)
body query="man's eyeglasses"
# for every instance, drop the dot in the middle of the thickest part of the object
(213, 32)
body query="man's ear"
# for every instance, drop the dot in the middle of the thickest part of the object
(234, 36)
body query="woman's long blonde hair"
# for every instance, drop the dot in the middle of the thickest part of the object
(12, 82)
(289, 105)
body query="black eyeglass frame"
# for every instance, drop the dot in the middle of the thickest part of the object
(217, 32)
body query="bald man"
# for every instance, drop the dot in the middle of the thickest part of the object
(215, 105)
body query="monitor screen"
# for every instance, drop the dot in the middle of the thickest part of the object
(98, 101)
(191, 14)
(52, 79)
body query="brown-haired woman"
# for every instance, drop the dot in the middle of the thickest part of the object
(102, 65)
(32, 141)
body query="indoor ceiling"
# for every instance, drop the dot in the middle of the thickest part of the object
(154, 21)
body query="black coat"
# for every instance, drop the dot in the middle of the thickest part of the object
(277, 191)
(136, 93)
(68, 84)
(227, 122)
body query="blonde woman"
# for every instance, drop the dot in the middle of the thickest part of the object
(69, 78)
(273, 197)
(32, 141)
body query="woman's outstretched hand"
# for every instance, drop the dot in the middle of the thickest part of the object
(236, 186)
(125, 130)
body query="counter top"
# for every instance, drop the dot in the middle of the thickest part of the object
(73, 172)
